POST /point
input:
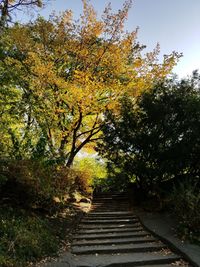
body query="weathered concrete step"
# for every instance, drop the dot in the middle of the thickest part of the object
(108, 197)
(111, 230)
(104, 198)
(107, 226)
(111, 218)
(111, 202)
(113, 235)
(104, 205)
(98, 221)
(107, 217)
(173, 264)
(114, 208)
(127, 240)
(111, 206)
(125, 260)
(119, 248)
(109, 209)
(111, 213)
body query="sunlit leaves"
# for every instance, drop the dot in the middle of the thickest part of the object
(73, 71)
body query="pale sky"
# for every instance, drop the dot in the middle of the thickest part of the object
(174, 24)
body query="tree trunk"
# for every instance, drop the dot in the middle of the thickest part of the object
(70, 159)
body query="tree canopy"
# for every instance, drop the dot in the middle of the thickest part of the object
(156, 138)
(62, 75)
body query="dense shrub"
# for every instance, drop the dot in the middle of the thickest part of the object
(92, 173)
(34, 197)
(156, 138)
(186, 207)
(37, 184)
(24, 238)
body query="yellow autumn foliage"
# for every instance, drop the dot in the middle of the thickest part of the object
(75, 71)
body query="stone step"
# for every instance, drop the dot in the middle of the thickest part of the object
(110, 209)
(111, 230)
(102, 210)
(112, 201)
(110, 218)
(109, 214)
(113, 235)
(127, 240)
(102, 205)
(107, 226)
(118, 248)
(173, 264)
(120, 221)
(125, 260)
(108, 197)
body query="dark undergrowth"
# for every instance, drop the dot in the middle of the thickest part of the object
(28, 237)
(186, 208)
(38, 211)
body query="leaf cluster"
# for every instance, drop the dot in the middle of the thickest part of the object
(65, 75)
(156, 138)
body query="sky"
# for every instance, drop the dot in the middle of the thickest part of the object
(174, 24)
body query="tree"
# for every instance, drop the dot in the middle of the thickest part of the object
(157, 138)
(71, 72)
(7, 7)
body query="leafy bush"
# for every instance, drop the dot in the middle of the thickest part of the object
(186, 203)
(33, 183)
(24, 238)
(33, 201)
(90, 173)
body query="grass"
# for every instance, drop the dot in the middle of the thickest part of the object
(27, 237)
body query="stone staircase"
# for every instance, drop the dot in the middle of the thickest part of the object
(111, 235)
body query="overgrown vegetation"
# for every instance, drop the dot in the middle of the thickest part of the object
(36, 209)
(25, 237)
(155, 143)
(186, 205)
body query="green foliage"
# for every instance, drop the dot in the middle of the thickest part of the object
(34, 194)
(65, 74)
(24, 238)
(36, 184)
(186, 207)
(156, 138)
(115, 180)
(91, 173)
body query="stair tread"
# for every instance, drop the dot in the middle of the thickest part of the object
(115, 235)
(107, 226)
(115, 241)
(115, 248)
(125, 259)
(111, 230)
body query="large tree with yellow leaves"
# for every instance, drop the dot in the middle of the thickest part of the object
(70, 72)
